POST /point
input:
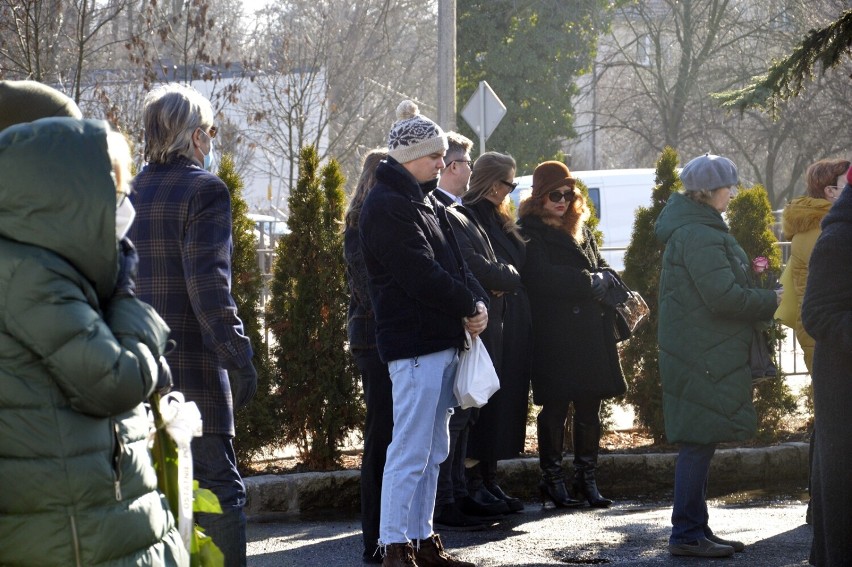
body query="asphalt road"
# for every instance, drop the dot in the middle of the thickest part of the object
(629, 533)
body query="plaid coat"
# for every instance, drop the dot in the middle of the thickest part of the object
(182, 232)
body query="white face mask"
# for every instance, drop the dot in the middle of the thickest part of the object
(124, 215)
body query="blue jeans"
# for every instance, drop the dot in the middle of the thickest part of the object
(215, 468)
(689, 512)
(423, 402)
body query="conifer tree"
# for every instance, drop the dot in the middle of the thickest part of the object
(750, 219)
(642, 265)
(257, 423)
(316, 379)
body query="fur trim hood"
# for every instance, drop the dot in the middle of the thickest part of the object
(803, 214)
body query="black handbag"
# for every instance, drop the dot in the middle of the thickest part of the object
(760, 358)
(630, 308)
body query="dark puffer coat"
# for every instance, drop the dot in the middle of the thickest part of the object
(574, 345)
(827, 316)
(707, 311)
(78, 486)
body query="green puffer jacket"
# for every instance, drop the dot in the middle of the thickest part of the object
(707, 309)
(77, 487)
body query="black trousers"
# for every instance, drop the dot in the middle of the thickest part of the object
(378, 427)
(451, 478)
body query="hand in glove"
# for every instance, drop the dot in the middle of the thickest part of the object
(598, 286)
(243, 385)
(128, 263)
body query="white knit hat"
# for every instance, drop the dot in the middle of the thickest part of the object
(413, 135)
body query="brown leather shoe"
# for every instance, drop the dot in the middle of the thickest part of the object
(432, 554)
(399, 555)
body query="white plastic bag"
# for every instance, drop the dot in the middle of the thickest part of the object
(476, 379)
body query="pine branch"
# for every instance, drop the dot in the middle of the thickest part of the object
(786, 78)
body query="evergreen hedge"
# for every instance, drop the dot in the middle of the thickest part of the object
(316, 383)
(257, 423)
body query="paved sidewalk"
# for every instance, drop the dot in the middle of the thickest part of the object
(621, 476)
(631, 533)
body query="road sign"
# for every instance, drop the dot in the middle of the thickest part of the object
(483, 112)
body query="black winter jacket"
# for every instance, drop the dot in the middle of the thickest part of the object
(419, 284)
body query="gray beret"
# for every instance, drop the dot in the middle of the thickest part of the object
(25, 101)
(708, 172)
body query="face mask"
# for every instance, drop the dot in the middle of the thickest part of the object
(124, 215)
(209, 160)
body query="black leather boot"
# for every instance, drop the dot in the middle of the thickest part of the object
(479, 501)
(488, 469)
(552, 483)
(586, 446)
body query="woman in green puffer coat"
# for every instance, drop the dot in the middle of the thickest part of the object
(707, 308)
(78, 357)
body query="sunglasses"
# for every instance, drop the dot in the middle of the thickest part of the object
(512, 186)
(556, 196)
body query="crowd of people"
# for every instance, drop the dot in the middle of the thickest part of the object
(107, 302)
(539, 281)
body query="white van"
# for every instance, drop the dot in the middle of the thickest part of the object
(616, 194)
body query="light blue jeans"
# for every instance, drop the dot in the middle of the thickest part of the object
(423, 402)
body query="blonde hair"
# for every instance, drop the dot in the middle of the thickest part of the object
(490, 168)
(171, 114)
(120, 158)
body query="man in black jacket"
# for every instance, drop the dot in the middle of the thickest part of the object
(424, 298)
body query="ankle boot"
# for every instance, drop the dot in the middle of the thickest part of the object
(399, 555)
(586, 443)
(430, 553)
(552, 483)
(479, 500)
(488, 469)
(553, 488)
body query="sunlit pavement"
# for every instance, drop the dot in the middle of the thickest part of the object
(629, 533)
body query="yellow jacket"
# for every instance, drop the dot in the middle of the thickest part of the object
(801, 225)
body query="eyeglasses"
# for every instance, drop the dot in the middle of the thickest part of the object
(212, 131)
(511, 186)
(556, 196)
(469, 162)
(120, 197)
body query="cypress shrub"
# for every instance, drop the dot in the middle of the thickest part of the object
(642, 265)
(257, 423)
(317, 387)
(750, 219)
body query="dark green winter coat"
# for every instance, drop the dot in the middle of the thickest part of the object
(77, 487)
(707, 309)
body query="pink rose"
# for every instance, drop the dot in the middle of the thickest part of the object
(760, 264)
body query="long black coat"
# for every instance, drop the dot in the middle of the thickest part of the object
(495, 258)
(574, 350)
(827, 317)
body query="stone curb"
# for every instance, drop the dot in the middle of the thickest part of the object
(624, 476)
